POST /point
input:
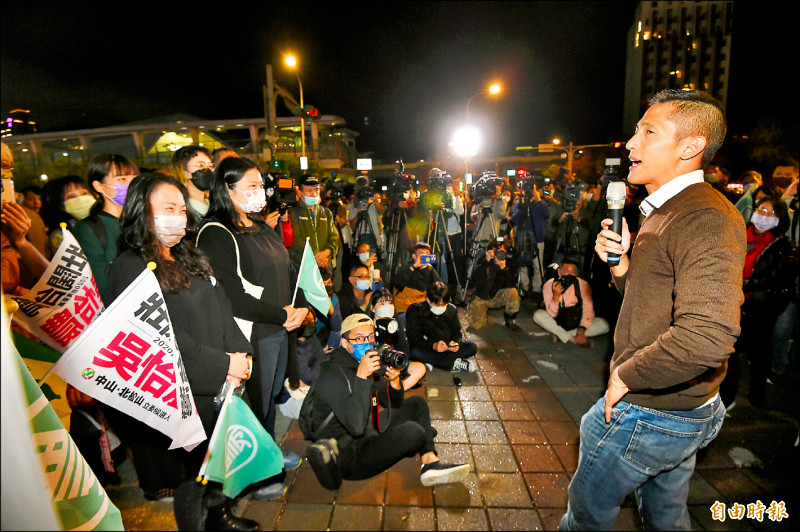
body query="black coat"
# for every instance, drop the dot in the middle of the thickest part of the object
(488, 278)
(424, 328)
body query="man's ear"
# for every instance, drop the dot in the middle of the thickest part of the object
(692, 147)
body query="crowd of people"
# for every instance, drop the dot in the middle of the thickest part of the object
(228, 258)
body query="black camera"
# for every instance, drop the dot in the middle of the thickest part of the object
(386, 337)
(333, 190)
(281, 193)
(399, 185)
(438, 180)
(365, 189)
(566, 281)
(572, 194)
(500, 254)
(485, 188)
(610, 172)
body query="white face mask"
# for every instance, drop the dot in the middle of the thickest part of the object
(384, 311)
(764, 223)
(438, 310)
(363, 257)
(169, 229)
(255, 200)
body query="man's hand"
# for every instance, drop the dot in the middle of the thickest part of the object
(610, 242)
(368, 365)
(558, 290)
(393, 376)
(453, 347)
(373, 258)
(440, 346)
(616, 391)
(239, 366)
(580, 336)
(294, 317)
(322, 258)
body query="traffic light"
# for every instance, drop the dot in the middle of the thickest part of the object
(310, 111)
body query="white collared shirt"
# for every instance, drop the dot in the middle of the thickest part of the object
(669, 190)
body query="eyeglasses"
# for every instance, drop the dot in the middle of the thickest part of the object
(361, 339)
(200, 166)
(766, 212)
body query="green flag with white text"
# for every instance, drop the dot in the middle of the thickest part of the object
(80, 501)
(243, 453)
(310, 280)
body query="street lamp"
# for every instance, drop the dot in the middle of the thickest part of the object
(291, 62)
(494, 89)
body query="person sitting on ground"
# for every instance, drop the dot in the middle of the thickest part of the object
(495, 287)
(434, 333)
(569, 313)
(354, 295)
(412, 281)
(359, 442)
(381, 309)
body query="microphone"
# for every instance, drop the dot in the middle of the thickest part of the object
(615, 196)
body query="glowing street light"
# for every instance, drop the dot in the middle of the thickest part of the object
(494, 89)
(291, 62)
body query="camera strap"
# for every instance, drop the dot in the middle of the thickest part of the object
(375, 408)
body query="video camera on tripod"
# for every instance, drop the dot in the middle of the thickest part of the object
(485, 188)
(400, 184)
(280, 191)
(573, 192)
(365, 190)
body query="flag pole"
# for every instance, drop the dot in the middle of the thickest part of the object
(201, 476)
(302, 260)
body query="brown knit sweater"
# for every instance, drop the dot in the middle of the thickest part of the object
(682, 295)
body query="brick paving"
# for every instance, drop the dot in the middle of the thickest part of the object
(515, 421)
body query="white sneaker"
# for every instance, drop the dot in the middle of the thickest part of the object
(443, 473)
(430, 367)
(462, 364)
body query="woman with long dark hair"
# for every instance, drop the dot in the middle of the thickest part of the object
(768, 286)
(212, 347)
(253, 265)
(108, 176)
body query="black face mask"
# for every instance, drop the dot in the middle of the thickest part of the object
(203, 179)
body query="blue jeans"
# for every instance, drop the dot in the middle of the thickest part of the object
(645, 451)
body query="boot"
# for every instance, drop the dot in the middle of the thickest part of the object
(221, 518)
(510, 322)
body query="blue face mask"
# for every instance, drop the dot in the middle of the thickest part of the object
(359, 350)
(311, 201)
(363, 285)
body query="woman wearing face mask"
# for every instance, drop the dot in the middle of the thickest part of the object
(64, 200)
(381, 310)
(250, 260)
(192, 166)
(108, 177)
(769, 278)
(212, 347)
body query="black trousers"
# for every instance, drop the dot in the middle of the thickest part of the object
(409, 433)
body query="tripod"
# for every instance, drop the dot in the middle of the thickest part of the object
(568, 242)
(486, 216)
(526, 246)
(396, 215)
(437, 222)
(364, 227)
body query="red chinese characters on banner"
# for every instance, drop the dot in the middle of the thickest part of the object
(65, 326)
(127, 354)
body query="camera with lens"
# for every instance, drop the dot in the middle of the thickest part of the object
(566, 281)
(281, 193)
(610, 172)
(399, 185)
(438, 180)
(485, 188)
(364, 191)
(333, 190)
(386, 337)
(572, 194)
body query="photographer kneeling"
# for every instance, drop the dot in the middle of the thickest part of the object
(495, 287)
(569, 314)
(359, 440)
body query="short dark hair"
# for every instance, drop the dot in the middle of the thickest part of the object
(384, 294)
(355, 267)
(696, 113)
(439, 293)
(420, 245)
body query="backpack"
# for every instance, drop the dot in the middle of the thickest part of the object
(305, 418)
(570, 317)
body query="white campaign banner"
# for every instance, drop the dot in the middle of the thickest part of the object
(128, 359)
(65, 300)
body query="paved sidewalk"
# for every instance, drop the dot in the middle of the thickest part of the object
(515, 421)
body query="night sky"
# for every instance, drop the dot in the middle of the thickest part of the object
(400, 75)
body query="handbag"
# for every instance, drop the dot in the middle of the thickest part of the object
(254, 290)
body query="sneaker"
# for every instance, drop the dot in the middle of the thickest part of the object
(270, 492)
(322, 456)
(462, 364)
(291, 460)
(162, 495)
(430, 367)
(442, 473)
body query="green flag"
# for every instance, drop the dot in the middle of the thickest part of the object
(243, 452)
(310, 280)
(79, 499)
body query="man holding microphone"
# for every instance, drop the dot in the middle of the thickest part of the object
(679, 320)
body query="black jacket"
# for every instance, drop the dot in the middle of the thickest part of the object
(774, 277)
(339, 390)
(489, 278)
(424, 328)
